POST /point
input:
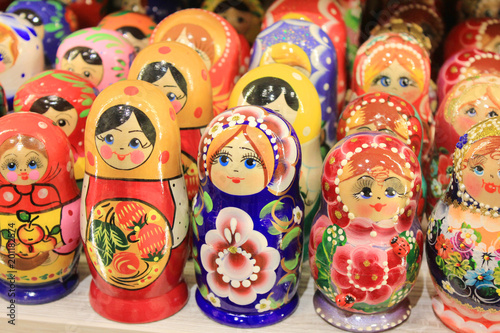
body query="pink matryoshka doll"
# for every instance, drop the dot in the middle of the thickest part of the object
(464, 64)
(99, 55)
(462, 238)
(136, 28)
(328, 16)
(475, 33)
(183, 77)
(135, 211)
(22, 56)
(65, 98)
(39, 210)
(469, 102)
(366, 242)
(214, 39)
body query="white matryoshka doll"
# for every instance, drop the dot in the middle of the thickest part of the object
(39, 210)
(248, 216)
(183, 77)
(366, 242)
(463, 247)
(135, 209)
(288, 92)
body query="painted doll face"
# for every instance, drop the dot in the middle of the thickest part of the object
(91, 72)
(124, 147)
(172, 90)
(6, 57)
(488, 8)
(66, 120)
(383, 128)
(472, 112)
(137, 43)
(240, 20)
(481, 178)
(34, 19)
(396, 80)
(23, 166)
(189, 38)
(237, 168)
(379, 198)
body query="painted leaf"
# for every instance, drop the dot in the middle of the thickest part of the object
(55, 230)
(203, 290)
(197, 268)
(293, 263)
(288, 278)
(333, 236)
(208, 202)
(269, 208)
(290, 236)
(118, 237)
(273, 231)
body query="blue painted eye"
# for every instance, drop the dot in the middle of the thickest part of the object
(109, 139)
(134, 143)
(404, 82)
(1, 57)
(32, 164)
(385, 81)
(224, 160)
(390, 192)
(366, 193)
(12, 166)
(471, 112)
(250, 163)
(171, 96)
(478, 170)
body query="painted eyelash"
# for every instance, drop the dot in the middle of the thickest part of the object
(377, 79)
(361, 184)
(215, 157)
(397, 186)
(475, 161)
(8, 161)
(412, 82)
(254, 157)
(100, 137)
(37, 160)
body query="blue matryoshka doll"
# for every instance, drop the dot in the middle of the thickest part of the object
(305, 46)
(247, 244)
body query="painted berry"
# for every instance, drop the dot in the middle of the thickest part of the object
(129, 213)
(151, 242)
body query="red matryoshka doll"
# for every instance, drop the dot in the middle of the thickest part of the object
(462, 239)
(99, 55)
(136, 28)
(65, 98)
(214, 39)
(469, 102)
(464, 64)
(39, 210)
(244, 15)
(88, 12)
(365, 249)
(135, 210)
(475, 33)
(22, 53)
(328, 16)
(183, 77)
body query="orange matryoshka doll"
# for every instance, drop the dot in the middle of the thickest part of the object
(39, 209)
(135, 214)
(214, 39)
(183, 77)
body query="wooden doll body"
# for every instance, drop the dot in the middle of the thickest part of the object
(134, 210)
(248, 217)
(39, 209)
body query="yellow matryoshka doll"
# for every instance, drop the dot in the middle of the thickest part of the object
(134, 216)
(183, 77)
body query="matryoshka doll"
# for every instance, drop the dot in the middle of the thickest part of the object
(306, 47)
(463, 64)
(65, 98)
(366, 243)
(135, 211)
(462, 239)
(21, 55)
(288, 92)
(50, 20)
(88, 12)
(183, 77)
(136, 28)
(39, 210)
(99, 55)
(248, 216)
(469, 102)
(328, 16)
(478, 9)
(214, 39)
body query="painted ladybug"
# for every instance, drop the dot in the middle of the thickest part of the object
(400, 246)
(345, 300)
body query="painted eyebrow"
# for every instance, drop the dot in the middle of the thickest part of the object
(133, 131)
(11, 154)
(169, 86)
(32, 152)
(247, 148)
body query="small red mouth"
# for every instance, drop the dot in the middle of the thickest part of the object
(235, 180)
(24, 175)
(120, 157)
(490, 187)
(378, 207)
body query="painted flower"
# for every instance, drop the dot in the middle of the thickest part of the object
(264, 305)
(214, 300)
(215, 129)
(251, 121)
(368, 273)
(445, 167)
(463, 245)
(235, 119)
(297, 215)
(483, 257)
(238, 262)
(479, 277)
(443, 246)
(468, 236)
(436, 188)
(315, 239)
(447, 286)
(457, 265)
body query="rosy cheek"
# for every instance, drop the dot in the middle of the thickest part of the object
(137, 157)
(106, 152)
(472, 184)
(364, 210)
(34, 175)
(11, 176)
(177, 105)
(392, 208)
